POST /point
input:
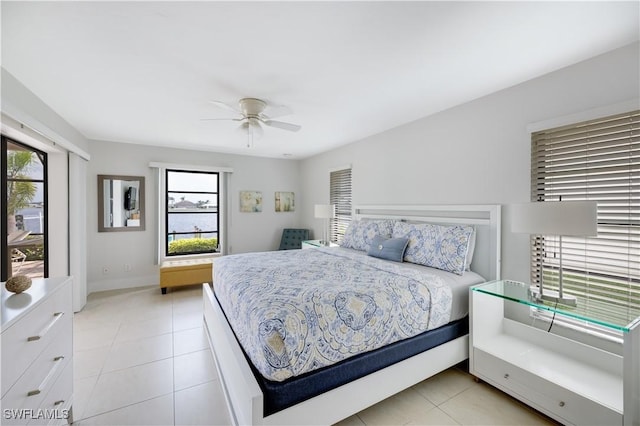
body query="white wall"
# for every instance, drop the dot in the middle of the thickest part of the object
(19, 103)
(476, 153)
(247, 231)
(29, 120)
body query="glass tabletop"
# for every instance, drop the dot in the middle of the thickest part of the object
(319, 243)
(607, 314)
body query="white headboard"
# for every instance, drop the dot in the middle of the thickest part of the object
(485, 218)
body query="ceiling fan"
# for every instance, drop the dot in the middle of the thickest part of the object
(250, 114)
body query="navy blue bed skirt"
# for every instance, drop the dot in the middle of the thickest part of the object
(281, 395)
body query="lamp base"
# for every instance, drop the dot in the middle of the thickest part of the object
(552, 296)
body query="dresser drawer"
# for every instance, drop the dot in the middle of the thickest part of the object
(29, 392)
(23, 342)
(55, 408)
(545, 396)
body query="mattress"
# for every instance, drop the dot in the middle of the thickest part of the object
(281, 395)
(459, 285)
(295, 312)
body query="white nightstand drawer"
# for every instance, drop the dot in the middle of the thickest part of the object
(25, 340)
(29, 392)
(542, 394)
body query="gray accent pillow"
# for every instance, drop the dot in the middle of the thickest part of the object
(388, 248)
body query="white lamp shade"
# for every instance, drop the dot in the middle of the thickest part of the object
(563, 218)
(325, 211)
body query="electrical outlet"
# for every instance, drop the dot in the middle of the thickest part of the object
(105, 270)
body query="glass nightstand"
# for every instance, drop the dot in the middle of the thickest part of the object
(570, 381)
(589, 310)
(316, 243)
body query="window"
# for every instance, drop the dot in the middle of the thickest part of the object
(192, 215)
(24, 218)
(597, 160)
(340, 196)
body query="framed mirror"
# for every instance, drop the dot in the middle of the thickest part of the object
(120, 203)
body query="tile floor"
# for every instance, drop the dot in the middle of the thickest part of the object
(141, 358)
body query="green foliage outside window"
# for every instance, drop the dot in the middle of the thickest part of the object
(193, 245)
(19, 193)
(34, 252)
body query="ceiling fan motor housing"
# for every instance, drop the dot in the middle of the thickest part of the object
(252, 107)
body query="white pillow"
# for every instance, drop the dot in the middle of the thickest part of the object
(472, 247)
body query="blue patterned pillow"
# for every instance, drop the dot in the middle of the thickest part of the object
(388, 248)
(361, 233)
(437, 246)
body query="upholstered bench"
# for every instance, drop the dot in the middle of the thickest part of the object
(175, 273)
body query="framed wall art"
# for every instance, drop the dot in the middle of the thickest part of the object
(251, 201)
(285, 201)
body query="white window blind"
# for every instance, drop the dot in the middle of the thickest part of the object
(340, 196)
(597, 160)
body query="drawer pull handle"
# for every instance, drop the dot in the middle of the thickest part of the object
(506, 376)
(44, 331)
(49, 376)
(561, 403)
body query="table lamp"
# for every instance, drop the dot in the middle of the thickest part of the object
(326, 212)
(559, 218)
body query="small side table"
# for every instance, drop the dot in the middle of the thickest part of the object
(570, 381)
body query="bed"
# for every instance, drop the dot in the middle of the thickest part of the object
(327, 384)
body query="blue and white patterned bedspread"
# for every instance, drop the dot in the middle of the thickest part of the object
(296, 311)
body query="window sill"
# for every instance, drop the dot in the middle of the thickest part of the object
(191, 256)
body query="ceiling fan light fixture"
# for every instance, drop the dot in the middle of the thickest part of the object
(254, 123)
(252, 117)
(252, 129)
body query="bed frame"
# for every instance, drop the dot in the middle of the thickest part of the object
(241, 390)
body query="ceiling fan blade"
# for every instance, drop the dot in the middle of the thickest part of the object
(282, 125)
(274, 111)
(221, 119)
(225, 106)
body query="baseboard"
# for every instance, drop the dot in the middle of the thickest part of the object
(123, 283)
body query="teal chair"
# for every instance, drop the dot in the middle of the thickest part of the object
(293, 238)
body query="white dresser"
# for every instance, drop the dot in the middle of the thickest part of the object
(37, 353)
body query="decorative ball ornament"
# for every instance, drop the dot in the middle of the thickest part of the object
(18, 283)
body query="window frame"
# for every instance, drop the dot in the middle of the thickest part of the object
(5, 140)
(167, 192)
(340, 195)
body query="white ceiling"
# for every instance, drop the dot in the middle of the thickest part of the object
(143, 72)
